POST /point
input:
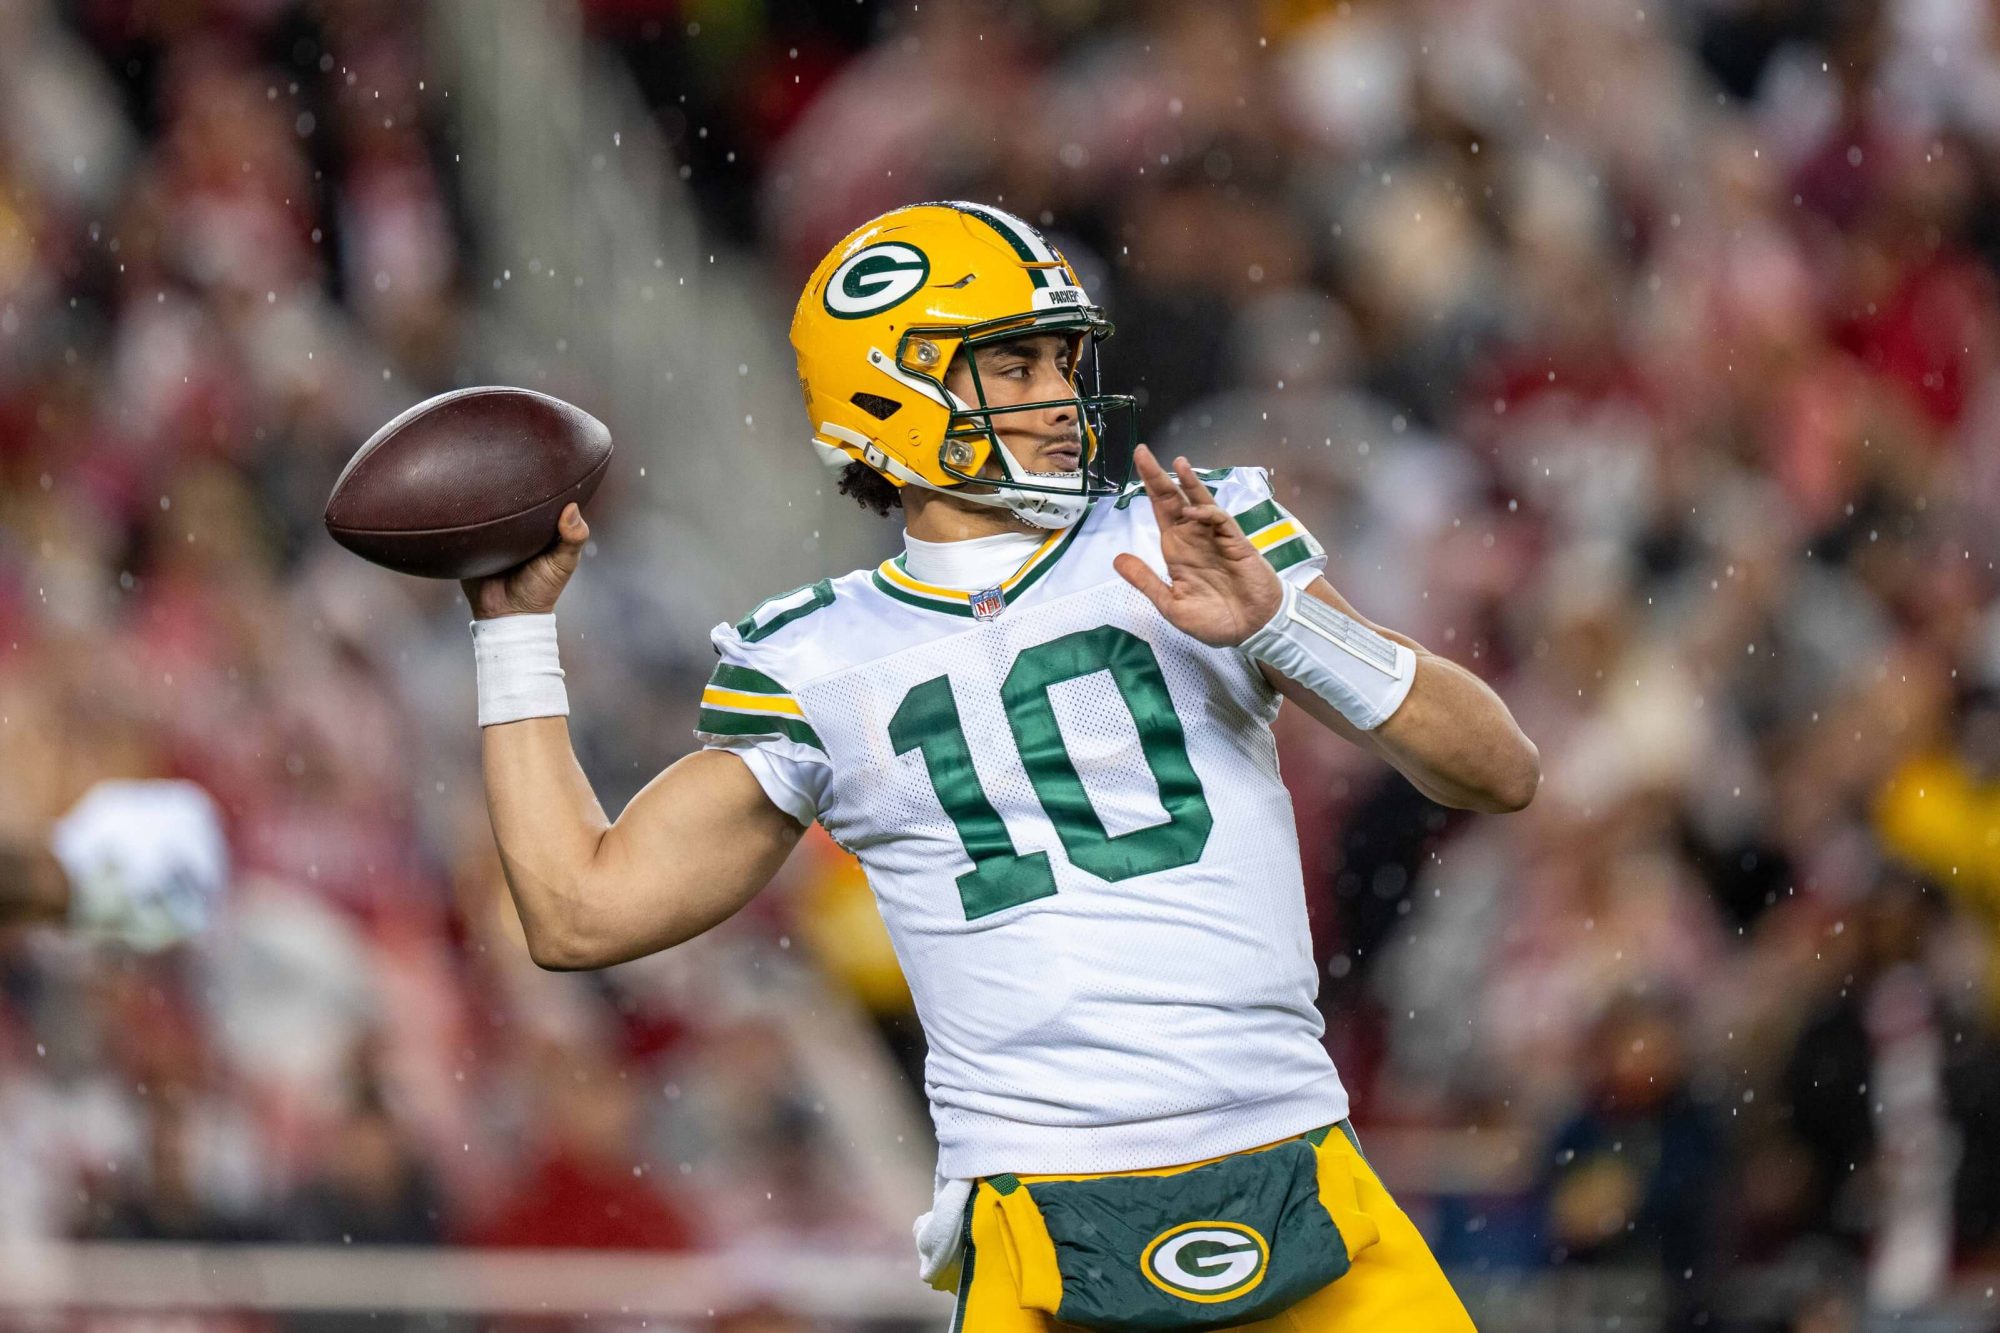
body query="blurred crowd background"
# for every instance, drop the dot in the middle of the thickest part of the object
(1640, 356)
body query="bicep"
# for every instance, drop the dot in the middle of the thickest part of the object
(691, 849)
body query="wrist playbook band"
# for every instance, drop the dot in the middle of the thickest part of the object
(1364, 675)
(519, 676)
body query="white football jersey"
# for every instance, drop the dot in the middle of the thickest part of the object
(1071, 816)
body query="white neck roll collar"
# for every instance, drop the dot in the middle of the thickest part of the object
(973, 565)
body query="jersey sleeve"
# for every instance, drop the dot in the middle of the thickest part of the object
(750, 713)
(1246, 493)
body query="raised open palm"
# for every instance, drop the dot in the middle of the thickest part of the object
(1219, 588)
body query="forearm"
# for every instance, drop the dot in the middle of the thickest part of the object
(685, 853)
(1452, 736)
(32, 885)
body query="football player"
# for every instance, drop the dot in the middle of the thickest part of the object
(1045, 730)
(136, 863)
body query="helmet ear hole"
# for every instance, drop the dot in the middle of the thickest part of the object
(875, 405)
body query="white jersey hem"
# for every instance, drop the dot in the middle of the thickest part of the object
(989, 1146)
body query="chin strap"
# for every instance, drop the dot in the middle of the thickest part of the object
(1039, 508)
(1044, 509)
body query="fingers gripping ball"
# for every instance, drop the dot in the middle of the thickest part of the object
(146, 862)
(469, 483)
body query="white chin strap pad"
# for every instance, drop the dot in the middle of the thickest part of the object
(1046, 511)
(1043, 509)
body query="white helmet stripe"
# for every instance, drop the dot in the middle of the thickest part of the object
(1027, 235)
(1025, 239)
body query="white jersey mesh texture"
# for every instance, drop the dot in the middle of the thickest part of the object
(1155, 1007)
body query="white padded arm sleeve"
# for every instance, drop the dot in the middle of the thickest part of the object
(1364, 675)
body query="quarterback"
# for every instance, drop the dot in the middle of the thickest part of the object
(1045, 731)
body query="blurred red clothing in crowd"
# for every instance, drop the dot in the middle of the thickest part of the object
(568, 1202)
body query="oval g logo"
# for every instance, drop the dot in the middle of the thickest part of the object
(878, 277)
(1206, 1261)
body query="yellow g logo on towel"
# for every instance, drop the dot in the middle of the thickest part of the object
(1206, 1261)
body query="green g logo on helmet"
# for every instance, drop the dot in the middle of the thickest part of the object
(1206, 1261)
(875, 279)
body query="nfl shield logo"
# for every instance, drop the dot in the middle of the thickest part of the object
(988, 604)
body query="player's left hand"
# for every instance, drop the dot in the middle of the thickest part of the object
(1219, 588)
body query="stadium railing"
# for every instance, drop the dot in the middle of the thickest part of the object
(821, 1288)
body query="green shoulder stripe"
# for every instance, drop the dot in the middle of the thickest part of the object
(720, 722)
(744, 679)
(752, 629)
(1286, 554)
(1259, 516)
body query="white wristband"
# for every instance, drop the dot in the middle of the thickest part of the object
(519, 676)
(1364, 675)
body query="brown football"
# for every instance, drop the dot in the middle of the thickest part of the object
(468, 483)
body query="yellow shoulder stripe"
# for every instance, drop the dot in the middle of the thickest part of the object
(1277, 532)
(715, 696)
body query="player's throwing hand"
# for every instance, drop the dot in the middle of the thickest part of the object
(531, 587)
(1219, 588)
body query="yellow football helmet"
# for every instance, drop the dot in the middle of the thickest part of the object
(879, 323)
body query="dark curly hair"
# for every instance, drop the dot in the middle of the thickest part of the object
(870, 489)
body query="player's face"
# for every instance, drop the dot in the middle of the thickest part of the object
(1035, 369)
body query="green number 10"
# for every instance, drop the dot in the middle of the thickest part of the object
(927, 720)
